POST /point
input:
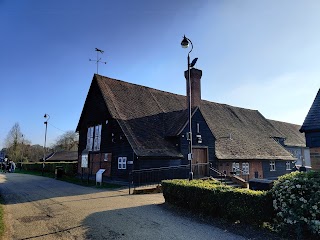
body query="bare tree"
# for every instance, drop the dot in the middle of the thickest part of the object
(67, 141)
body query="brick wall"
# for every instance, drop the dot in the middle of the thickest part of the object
(96, 162)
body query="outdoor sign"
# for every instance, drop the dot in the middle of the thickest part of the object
(84, 160)
(99, 176)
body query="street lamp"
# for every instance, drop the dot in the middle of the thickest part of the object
(46, 117)
(185, 44)
(22, 146)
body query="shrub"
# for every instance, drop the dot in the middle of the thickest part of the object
(296, 200)
(69, 168)
(218, 200)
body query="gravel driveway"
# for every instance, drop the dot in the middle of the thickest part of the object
(44, 208)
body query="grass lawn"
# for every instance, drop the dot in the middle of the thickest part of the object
(74, 180)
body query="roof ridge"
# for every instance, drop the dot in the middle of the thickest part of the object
(139, 85)
(163, 91)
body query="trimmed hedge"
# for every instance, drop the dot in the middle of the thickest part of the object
(212, 198)
(69, 168)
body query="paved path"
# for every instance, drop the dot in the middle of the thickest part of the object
(44, 208)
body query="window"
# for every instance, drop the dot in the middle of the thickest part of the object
(236, 168)
(94, 138)
(245, 168)
(122, 162)
(97, 138)
(90, 138)
(272, 166)
(288, 165)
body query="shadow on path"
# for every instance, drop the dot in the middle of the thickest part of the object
(150, 222)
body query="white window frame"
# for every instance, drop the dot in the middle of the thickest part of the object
(90, 138)
(122, 163)
(236, 168)
(97, 137)
(288, 165)
(272, 166)
(245, 168)
(94, 138)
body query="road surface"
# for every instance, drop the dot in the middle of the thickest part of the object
(44, 208)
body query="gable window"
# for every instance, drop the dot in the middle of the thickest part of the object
(90, 138)
(122, 162)
(272, 165)
(236, 168)
(94, 138)
(288, 165)
(245, 168)
(97, 138)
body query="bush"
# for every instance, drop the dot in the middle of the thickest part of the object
(297, 204)
(218, 200)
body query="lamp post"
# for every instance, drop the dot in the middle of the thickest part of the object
(46, 117)
(22, 150)
(185, 44)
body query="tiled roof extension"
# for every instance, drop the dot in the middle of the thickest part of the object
(291, 133)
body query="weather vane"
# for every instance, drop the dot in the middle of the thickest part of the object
(98, 60)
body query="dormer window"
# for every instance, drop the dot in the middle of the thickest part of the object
(279, 140)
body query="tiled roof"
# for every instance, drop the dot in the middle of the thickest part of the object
(312, 120)
(145, 115)
(291, 133)
(242, 133)
(63, 156)
(148, 116)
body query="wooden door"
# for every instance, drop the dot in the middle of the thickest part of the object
(200, 162)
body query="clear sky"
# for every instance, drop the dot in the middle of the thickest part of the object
(262, 55)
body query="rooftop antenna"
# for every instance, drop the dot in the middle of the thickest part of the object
(98, 60)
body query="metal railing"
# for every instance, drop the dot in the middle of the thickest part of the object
(222, 177)
(154, 176)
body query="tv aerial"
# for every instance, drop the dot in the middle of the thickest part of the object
(98, 60)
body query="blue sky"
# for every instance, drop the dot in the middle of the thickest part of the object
(261, 55)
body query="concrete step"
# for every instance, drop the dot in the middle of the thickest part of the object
(228, 182)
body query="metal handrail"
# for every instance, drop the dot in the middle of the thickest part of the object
(222, 175)
(157, 169)
(155, 174)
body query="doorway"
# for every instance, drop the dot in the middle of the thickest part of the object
(200, 166)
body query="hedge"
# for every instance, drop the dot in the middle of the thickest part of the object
(69, 168)
(212, 198)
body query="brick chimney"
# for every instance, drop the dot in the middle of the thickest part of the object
(195, 77)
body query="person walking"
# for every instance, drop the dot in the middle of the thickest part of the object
(5, 162)
(13, 166)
